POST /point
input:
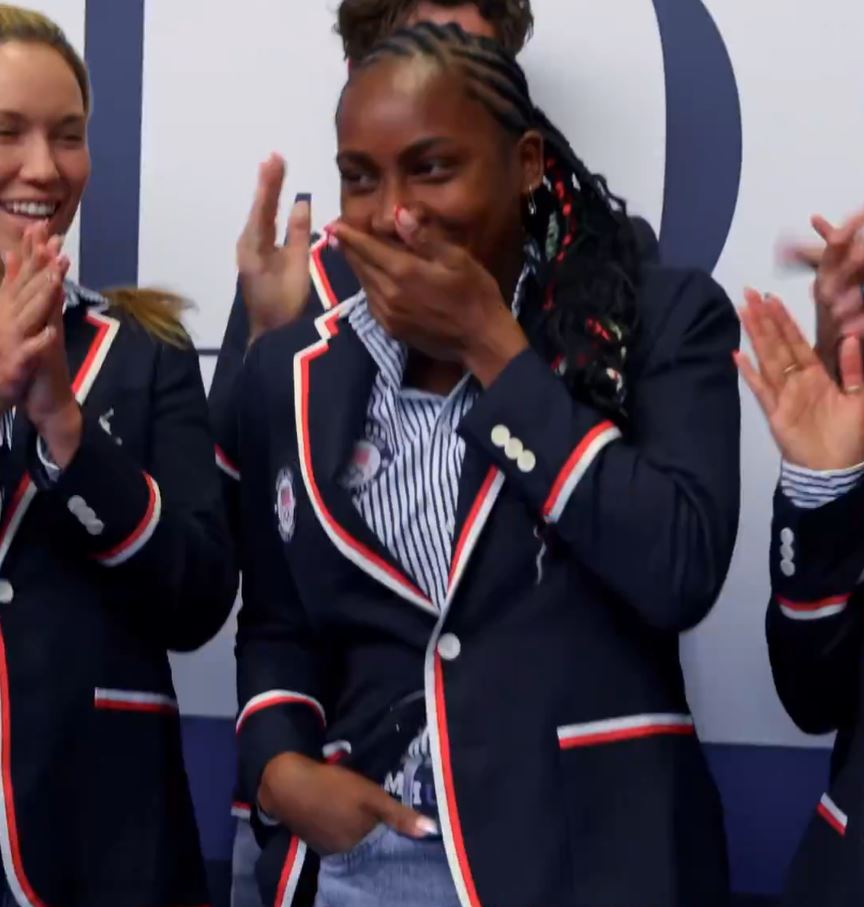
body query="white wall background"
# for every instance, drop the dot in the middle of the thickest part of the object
(222, 89)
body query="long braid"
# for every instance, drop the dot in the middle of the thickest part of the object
(589, 261)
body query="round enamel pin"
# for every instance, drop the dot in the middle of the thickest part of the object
(366, 461)
(286, 504)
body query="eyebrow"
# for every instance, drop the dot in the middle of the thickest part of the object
(68, 120)
(416, 150)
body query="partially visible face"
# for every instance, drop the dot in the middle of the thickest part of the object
(409, 135)
(44, 160)
(467, 15)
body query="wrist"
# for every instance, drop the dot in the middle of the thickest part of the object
(61, 431)
(494, 348)
(282, 772)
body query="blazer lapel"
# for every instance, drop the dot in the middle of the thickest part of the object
(332, 384)
(479, 486)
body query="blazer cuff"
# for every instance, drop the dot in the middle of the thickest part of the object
(276, 722)
(116, 506)
(539, 436)
(817, 555)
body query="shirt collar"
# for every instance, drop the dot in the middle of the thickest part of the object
(390, 355)
(75, 295)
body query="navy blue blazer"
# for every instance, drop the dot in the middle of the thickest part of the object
(816, 644)
(567, 765)
(127, 556)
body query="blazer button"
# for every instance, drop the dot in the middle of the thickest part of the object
(449, 647)
(787, 568)
(513, 449)
(7, 593)
(500, 436)
(527, 461)
(787, 536)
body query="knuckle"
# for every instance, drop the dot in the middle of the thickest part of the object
(402, 270)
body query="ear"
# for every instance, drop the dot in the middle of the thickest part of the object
(530, 152)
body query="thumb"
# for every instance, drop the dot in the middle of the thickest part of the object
(35, 348)
(851, 365)
(299, 229)
(299, 237)
(804, 255)
(402, 819)
(11, 266)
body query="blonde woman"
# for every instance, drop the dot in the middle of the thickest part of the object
(113, 543)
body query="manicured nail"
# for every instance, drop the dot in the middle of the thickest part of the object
(405, 218)
(303, 197)
(427, 827)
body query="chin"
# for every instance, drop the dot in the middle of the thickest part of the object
(11, 234)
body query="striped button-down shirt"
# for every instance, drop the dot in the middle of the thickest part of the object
(404, 476)
(810, 488)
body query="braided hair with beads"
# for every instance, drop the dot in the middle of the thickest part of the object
(582, 308)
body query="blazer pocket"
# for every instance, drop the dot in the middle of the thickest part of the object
(831, 813)
(643, 814)
(617, 730)
(134, 701)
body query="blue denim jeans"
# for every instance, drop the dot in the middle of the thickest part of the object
(387, 870)
(244, 887)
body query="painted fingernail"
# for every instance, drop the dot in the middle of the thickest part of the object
(405, 218)
(303, 197)
(427, 827)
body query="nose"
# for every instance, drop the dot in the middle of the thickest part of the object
(390, 197)
(38, 164)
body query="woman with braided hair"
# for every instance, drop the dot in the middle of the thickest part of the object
(481, 499)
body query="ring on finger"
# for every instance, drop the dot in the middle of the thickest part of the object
(791, 369)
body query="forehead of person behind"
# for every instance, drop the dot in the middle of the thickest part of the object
(411, 134)
(44, 164)
(363, 23)
(466, 15)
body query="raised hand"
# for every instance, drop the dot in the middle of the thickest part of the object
(840, 274)
(31, 290)
(274, 279)
(816, 423)
(331, 808)
(434, 296)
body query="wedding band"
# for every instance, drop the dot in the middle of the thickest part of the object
(791, 368)
(854, 389)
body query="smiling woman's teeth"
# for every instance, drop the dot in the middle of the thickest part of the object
(30, 209)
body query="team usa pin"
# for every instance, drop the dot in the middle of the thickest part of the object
(286, 504)
(365, 464)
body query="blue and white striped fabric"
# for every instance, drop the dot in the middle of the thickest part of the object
(410, 502)
(809, 488)
(409, 497)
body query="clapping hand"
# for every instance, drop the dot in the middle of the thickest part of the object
(816, 423)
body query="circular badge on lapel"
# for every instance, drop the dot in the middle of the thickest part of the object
(365, 464)
(286, 504)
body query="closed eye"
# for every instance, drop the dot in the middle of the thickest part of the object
(434, 170)
(357, 180)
